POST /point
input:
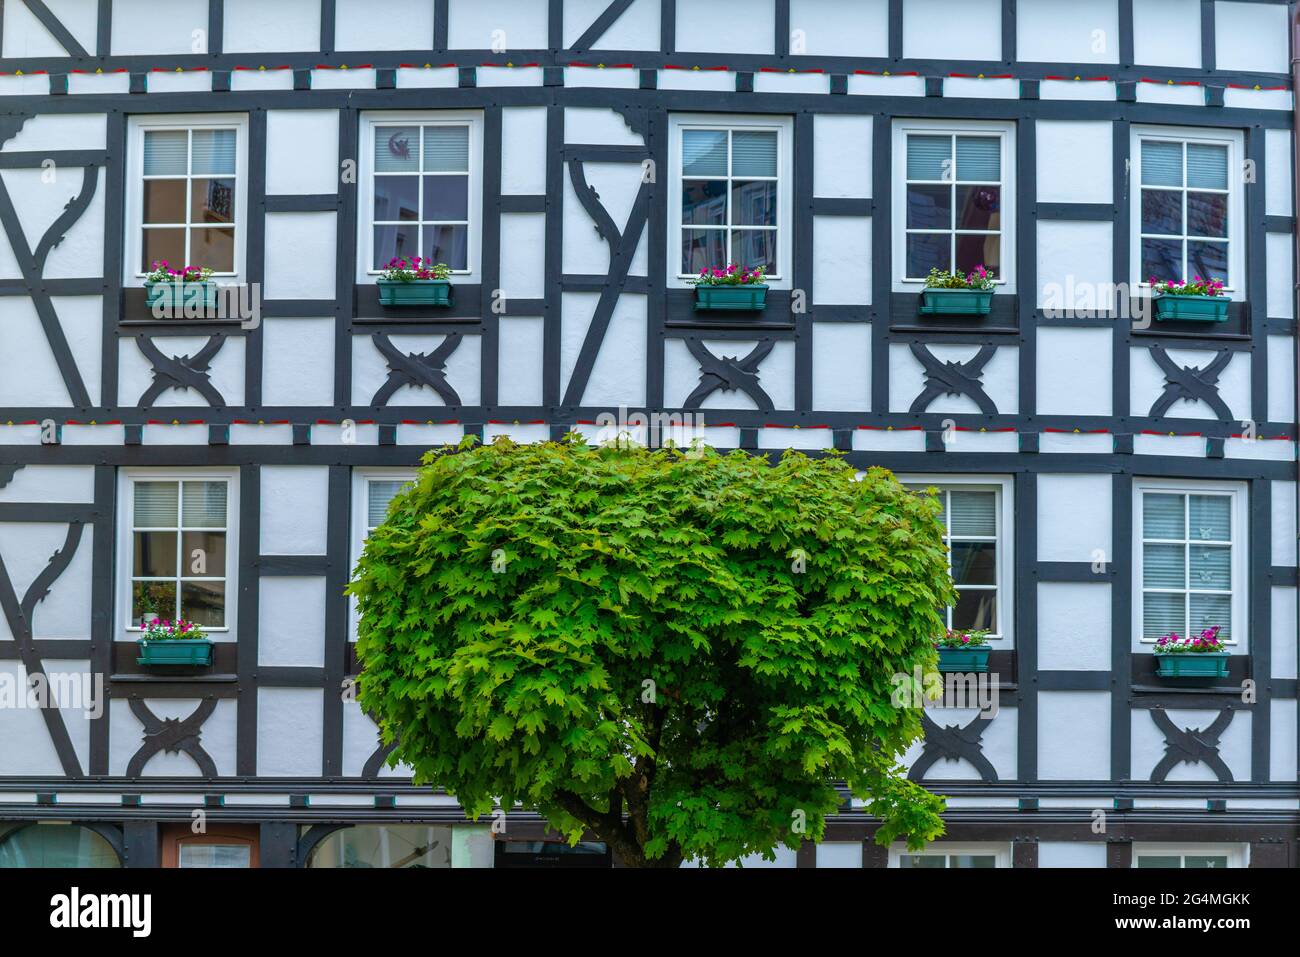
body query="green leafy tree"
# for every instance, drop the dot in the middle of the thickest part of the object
(682, 654)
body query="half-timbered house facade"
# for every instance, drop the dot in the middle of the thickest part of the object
(1107, 477)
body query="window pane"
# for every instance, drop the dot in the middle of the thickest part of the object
(1162, 614)
(213, 855)
(974, 563)
(1162, 211)
(397, 198)
(753, 153)
(156, 504)
(1210, 566)
(164, 201)
(203, 553)
(704, 202)
(1208, 260)
(926, 252)
(154, 555)
(396, 149)
(1162, 163)
(379, 495)
(929, 158)
(974, 513)
(395, 242)
(979, 250)
(971, 860)
(212, 201)
(923, 860)
(1207, 166)
(446, 149)
(447, 244)
(1205, 860)
(1210, 517)
(978, 207)
(163, 245)
(754, 247)
(975, 610)
(214, 153)
(979, 158)
(446, 198)
(213, 247)
(704, 153)
(204, 603)
(1163, 566)
(1162, 516)
(1208, 611)
(1207, 214)
(1159, 860)
(165, 152)
(203, 505)
(703, 249)
(929, 207)
(151, 600)
(1162, 258)
(753, 204)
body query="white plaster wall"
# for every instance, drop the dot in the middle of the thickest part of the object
(841, 260)
(682, 375)
(834, 28)
(1280, 299)
(1167, 32)
(428, 77)
(294, 509)
(841, 156)
(1071, 854)
(25, 36)
(1001, 379)
(523, 150)
(618, 374)
(298, 362)
(225, 371)
(775, 82)
(138, 29)
(291, 621)
(300, 253)
(726, 26)
(38, 203)
(1284, 523)
(261, 80)
(520, 360)
(59, 131)
(998, 744)
(1073, 258)
(1282, 740)
(1148, 745)
(636, 29)
(51, 483)
(841, 366)
(191, 81)
(523, 255)
(1074, 371)
(980, 36)
(1073, 735)
(1283, 638)
(1074, 517)
(357, 27)
(1067, 31)
(65, 611)
(585, 252)
(608, 76)
(1074, 626)
(370, 370)
(474, 25)
(523, 433)
(775, 437)
(289, 731)
(429, 434)
(360, 738)
(28, 749)
(255, 26)
(1070, 443)
(302, 152)
(1277, 173)
(1148, 382)
(1082, 89)
(1281, 378)
(30, 376)
(1251, 37)
(1074, 161)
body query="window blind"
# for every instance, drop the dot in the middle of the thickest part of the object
(979, 158)
(928, 157)
(753, 153)
(397, 149)
(1210, 517)
(446, 149)
(203, 505)
(973, 513)
(1163, 614)
(1162, 516)
(214, 153)
(381, 494)
(165, 152)
(704, 153)
(1207, 166)
(1162, 163)
(155, 504)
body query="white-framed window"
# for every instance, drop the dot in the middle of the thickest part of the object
(1190, 855)
(178, 546)
(1190, 554)
(731, 200)
(187, 193)
(372, 491)
(978, 522)
(422, 189)
(945, 854)
(954, 200)
(1187, 205)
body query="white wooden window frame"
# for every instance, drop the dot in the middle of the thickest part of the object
(783, 126)
(473, 120)
(137, 126)
(126, 480)
(1240, 547)
(1238, 854)
(1235, 287)
(1001, 852)
(361, 479)
(1006, 131)
(1003, 637)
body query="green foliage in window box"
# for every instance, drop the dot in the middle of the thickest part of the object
(957, 294)
(171, 291)
(733, 288)
(418, 282)
(1201, 300)
(180, 642)
(680, 653)
(1203, 656)
(963, 651)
